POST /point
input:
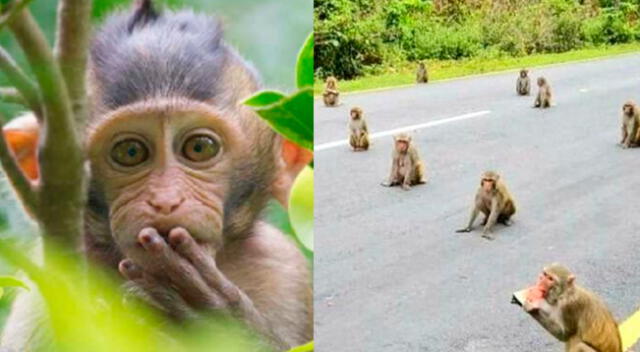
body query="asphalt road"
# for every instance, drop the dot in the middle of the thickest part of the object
(390, 272)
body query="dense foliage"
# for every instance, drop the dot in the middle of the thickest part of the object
(356, 37)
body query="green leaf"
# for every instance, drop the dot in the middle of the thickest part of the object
(304, 67)
(303, 348)
(292, 117)
(10, 281)
(301, 207)
(264, 98)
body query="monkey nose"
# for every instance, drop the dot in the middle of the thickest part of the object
(165, 205)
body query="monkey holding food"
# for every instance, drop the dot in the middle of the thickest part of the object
(544, 97)
(422, 76)
(494, 200)
(523, 84)
(331, 93)
(571, 313)
(630, 125)
(407, 168)
(358, 132)
(180, 172)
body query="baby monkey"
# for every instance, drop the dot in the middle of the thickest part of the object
(359, 133)
(494, 201)
(523, 84)
(407, 168)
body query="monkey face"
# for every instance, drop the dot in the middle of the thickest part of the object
(354, 114)
(545, 282)
(627, 109)
(488, 184)
(165, 168)
(402, 146)
(541, 81)
(523, 73)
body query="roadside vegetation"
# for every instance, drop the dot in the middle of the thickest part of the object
(377, 43)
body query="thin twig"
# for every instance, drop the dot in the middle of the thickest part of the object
(20, 80)
(19, 181)
(11, 95)
(71, 50)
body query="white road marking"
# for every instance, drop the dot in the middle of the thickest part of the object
(334, 144)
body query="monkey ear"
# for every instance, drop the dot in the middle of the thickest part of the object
(21, 135)
(571, 279)
(293, 158)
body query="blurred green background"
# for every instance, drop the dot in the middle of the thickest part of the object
(268, 33)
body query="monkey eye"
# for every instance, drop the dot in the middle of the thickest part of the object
(200, 148)
(129, 152)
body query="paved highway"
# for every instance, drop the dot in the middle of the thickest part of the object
(391, 274)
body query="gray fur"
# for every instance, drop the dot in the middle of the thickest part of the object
(145, 54)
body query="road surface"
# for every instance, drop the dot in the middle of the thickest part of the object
(390, 272)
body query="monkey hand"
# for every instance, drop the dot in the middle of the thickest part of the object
(181, 278)
(406, 186)
(466, 229)
(386, 183)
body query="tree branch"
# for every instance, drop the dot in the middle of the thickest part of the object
(11, 95)
(18, 180)
(61, 198)
(72, 43)
(20, 80)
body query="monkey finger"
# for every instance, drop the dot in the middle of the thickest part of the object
(129, 270)
(188, 248)
(163, 261)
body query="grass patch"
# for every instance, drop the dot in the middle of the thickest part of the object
(440, 70)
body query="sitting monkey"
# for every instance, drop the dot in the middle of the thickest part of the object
(571, 313)
(358, 132)
(544, 97)
(630, 125)
(422, 75)
(407, 168)
(523, 83)
(494, 200)
(331, 94)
